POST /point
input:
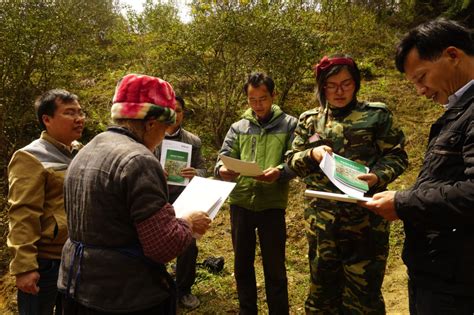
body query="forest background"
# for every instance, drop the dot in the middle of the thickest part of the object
(85, 46)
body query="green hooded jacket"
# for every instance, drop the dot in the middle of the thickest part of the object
(266, 144)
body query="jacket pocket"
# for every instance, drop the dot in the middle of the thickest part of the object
(60, 229)
(53, 228)
(359, 136)
(55, 222)
(360, 142)
(464, 245)
(447, 155)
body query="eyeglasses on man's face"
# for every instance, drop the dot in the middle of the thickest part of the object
(73, 114)
(345, 85)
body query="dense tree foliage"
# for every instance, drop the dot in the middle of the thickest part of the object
(44, 44)
(462, 10)
(225, 43)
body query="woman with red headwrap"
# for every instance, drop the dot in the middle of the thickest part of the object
(122, 227)
(348, 245)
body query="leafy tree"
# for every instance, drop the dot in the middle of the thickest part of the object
(43, 44)
(228, 40)
(160, 32)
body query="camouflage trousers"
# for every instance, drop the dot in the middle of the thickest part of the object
(348, 249)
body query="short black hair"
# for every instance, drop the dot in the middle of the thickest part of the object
(323, 76)
(432, 38)
(46, 103)
(259, 78)
(180, 100)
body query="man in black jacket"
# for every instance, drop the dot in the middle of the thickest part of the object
(438, 211)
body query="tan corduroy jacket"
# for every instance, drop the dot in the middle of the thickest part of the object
(37, 220)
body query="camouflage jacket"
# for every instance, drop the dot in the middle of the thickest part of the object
(362, 131)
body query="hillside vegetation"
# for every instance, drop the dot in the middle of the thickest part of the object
(86, 46)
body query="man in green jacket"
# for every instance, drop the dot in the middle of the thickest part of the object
(257, 204)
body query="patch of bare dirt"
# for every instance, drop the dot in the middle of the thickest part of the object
(394, 288)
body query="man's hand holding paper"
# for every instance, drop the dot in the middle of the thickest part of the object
(226, 174)
(270, 175)
(383, 204)
(188, 172)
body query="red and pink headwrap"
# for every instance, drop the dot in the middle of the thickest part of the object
(137, 95)
(326, 63)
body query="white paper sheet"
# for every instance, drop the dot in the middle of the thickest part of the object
(243, 167)
(203, 194)
(333, 196)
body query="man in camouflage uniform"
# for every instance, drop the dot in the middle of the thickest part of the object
(348, 245)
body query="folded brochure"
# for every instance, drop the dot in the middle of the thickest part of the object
(352, 193)
(346, 171)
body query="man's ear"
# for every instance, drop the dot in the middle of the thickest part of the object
(46, 120)
(452, 52)
(273, 96)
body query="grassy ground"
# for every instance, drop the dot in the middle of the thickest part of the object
(217, 292)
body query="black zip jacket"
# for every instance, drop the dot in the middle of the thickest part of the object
(438, 211)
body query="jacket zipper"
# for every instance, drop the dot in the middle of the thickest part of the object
(254, 147)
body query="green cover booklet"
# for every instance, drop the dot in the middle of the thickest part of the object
(175, 156)
(175, 162)
(343, 173)
(346, 171)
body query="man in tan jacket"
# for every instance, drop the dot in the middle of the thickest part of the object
(37, 219)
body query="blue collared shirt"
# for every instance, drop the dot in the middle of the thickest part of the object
(452, 99)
